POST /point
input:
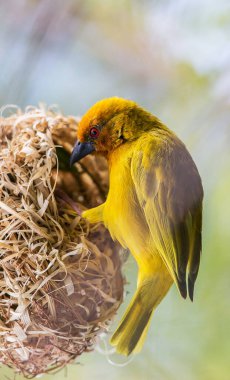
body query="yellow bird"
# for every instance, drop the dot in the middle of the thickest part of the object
(153, 208)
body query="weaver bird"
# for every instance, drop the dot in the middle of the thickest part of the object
(153, 207)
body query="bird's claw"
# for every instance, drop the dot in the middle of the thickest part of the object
(64, 198)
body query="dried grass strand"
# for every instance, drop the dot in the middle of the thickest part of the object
(60, 278)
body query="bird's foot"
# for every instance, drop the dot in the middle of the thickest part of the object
(65, 199)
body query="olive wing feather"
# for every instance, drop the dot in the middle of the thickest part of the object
(169, 190)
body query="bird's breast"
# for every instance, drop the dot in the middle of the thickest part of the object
(123, 215)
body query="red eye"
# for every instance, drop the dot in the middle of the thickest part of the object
(94, 132)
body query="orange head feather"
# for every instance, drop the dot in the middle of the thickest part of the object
(110, 123)
(100, 123)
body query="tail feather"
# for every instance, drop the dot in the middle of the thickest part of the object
(130, 334)
(131, 328)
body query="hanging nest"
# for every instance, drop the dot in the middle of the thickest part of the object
(60, 278)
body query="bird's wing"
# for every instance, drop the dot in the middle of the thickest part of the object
(169, 190)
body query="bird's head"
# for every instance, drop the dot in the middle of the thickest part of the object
(108, 124)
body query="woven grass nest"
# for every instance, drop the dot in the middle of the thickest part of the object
(60, 278)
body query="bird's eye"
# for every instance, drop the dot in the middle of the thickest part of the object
(94, 132)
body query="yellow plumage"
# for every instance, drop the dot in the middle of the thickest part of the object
(153, 207)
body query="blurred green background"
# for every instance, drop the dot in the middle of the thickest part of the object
(173, 57)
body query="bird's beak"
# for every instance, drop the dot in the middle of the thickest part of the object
(80, 150)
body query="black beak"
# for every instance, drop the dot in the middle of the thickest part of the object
(80, 150)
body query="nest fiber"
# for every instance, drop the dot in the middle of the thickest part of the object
(60, 279)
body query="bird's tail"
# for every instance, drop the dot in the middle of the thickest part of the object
(131, 332)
